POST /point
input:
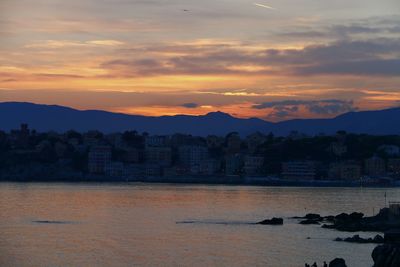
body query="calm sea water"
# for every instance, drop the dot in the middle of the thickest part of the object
(176, 225)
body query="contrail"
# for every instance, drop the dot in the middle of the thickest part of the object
(264, 6)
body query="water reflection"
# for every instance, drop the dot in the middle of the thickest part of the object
(175, 225)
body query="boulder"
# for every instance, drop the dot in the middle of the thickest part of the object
(329, 218)
(386, 255)
(338, 262)
(273, 221)
(378, 239)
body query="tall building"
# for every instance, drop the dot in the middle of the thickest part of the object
(99, 158)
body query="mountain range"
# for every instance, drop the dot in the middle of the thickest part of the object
(59, 118)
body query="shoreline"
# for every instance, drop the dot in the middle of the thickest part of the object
(208, 181)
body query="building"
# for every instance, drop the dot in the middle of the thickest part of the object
(159, 155)
(156, 140)
(299, 170)
(233, 164)
(99, 158)
(375, 166)
(152, 170)
(134, 172)
(209, 166)
(348, 171)
(253, 165)
(133, 155)
(190, 156)
(114, 169)
(338, 149)
(393, 167)
(390, 150)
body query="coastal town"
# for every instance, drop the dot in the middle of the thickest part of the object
(259, 158)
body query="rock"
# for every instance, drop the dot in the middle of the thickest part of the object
(342, 217)
(273, 221)
(309, 221)
(357, 239)
(356, 216)
(328, 226)
(329, 218)
(338, 262)
(387, 255)
(355, 221)
(378, 239)
(313, 216)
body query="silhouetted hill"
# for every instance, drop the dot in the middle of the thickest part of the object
(59, 118)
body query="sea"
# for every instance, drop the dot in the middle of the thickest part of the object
(139, 224)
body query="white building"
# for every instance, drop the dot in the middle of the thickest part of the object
(299, 170)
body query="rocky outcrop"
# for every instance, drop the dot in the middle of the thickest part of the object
(387, 255)
(378, 239)
(338, 262)
(273, 221)
(356, 221)
(309, 221)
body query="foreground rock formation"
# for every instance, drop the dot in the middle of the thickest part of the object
(388, 254)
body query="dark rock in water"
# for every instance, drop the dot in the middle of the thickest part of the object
(386, 255)
(273, 221)
(313, 216)
(329, 218)
(328, 226)
(338, 262)
(51, 222)
(355, 216)
(357, 239)
(309, 221)
(355, 222)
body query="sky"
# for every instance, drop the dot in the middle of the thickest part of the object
(274, 60)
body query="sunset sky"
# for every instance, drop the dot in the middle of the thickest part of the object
(275, 59)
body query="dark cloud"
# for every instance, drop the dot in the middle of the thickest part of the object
(370, 27)
(190, 105)
(282, 109)
(366, 57)
(381, 67)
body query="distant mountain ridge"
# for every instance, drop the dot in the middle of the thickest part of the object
(60, 119)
